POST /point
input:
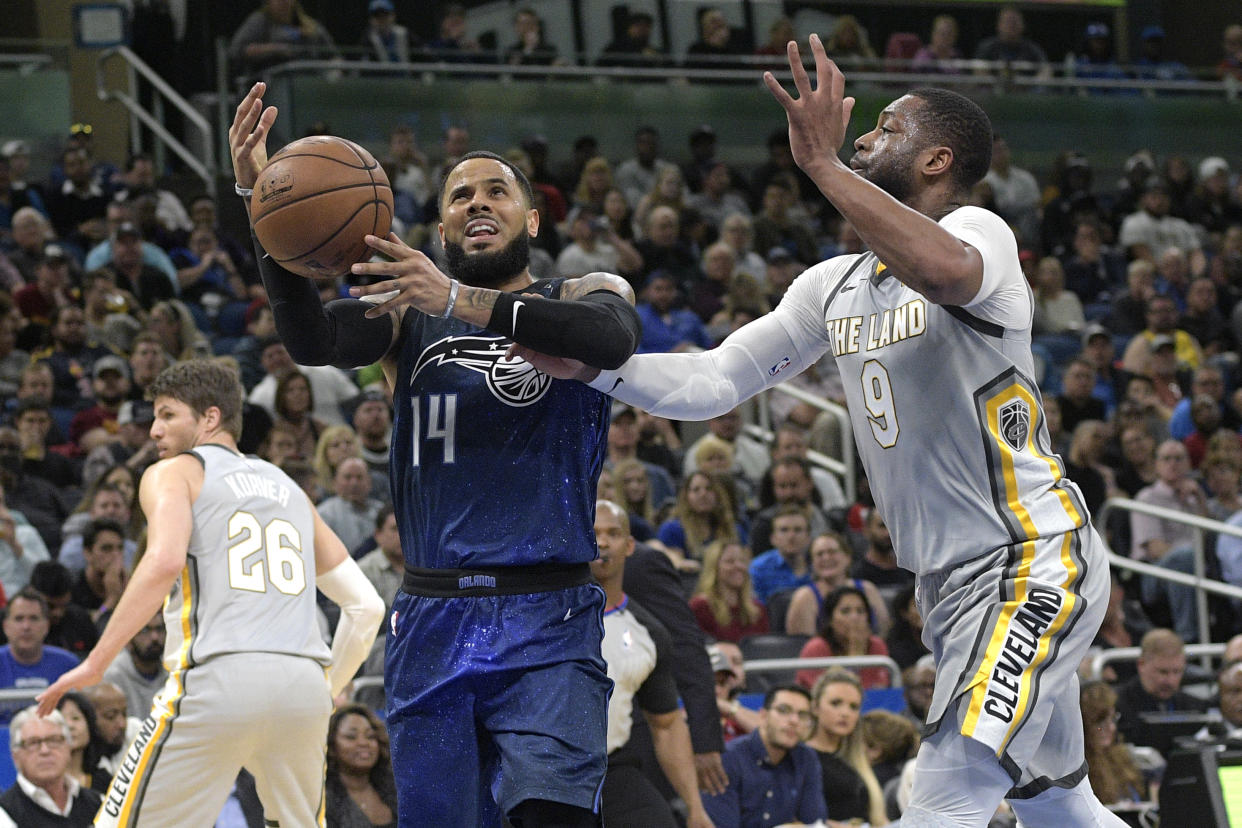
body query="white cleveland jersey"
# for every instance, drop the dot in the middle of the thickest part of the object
(248, 584)
(941, 398)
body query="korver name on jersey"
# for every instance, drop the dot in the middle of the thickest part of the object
(245, 484)
(850, 334)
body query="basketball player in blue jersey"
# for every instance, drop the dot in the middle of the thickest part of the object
(931, 329)
(497, 692)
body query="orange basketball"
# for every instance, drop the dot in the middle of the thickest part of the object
(315, 200)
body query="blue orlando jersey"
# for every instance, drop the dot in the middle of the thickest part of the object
(493, 462)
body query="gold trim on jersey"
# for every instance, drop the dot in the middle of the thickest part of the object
(163, 713)
(1028, 623)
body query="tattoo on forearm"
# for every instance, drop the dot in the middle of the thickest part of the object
(478, 298)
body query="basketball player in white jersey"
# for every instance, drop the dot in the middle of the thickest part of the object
(931, 330)
(234, 552)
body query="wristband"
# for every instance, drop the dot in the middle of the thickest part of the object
(242, 191)
(454, 286)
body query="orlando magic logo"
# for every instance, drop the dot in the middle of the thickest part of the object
(1015, 423)
(512, 381)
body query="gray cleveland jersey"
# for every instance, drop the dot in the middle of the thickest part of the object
(941, 398)
(249, 579)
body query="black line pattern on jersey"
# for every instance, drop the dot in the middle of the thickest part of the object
(832, 294)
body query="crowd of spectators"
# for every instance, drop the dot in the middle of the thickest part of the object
(714, 38)
(106, 277)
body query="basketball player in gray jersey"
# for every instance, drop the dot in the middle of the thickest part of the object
(931, 330)
(238, 550)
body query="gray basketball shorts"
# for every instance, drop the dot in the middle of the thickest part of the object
(266, 712)
(1008, 631)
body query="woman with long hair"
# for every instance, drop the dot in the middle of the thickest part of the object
(173, 324)
(85, 748)
(850, 785)
(295, 406)
(724, 603)
(593, 186)
(845, 632)
(619, 214)
(125, 480)
(668, 190)
(358, 786)
(1111, 769)
(702, 515)
(337, 443)
(830, 568)
(633, 488)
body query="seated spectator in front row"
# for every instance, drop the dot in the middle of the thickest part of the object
(837, 739)
(44, 793)
(1156, 689)
(84, 745)
(26, 662)
(1112, 772)
(116, 727)
(358, 787)
(773, 777)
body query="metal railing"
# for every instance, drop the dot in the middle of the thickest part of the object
(25, 64)
(1106, 657)
(769, 665)
(1001, 77)
(1202, 585)
(202, 164)
(843, 468)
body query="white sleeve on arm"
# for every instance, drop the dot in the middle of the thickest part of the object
(1003, 297)
(703, 385)
(362, 610)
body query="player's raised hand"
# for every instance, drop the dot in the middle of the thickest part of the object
(819, 117)
(85, 674)
(415, 278)
(248, 136)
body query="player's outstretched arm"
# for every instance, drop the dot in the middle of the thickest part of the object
(166, 497)
(695, 386)
(362, 609)
(919, 251)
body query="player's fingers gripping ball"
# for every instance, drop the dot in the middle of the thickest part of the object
(315, 200)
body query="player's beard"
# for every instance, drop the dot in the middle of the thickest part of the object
(891, 174)
(487, 270)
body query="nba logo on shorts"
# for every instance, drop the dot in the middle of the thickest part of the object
(392, 622)
(1015, 423)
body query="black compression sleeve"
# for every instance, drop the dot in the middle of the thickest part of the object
(314, 335)
(601, 329)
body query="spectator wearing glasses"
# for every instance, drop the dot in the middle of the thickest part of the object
(44, 793)
(773, 777)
